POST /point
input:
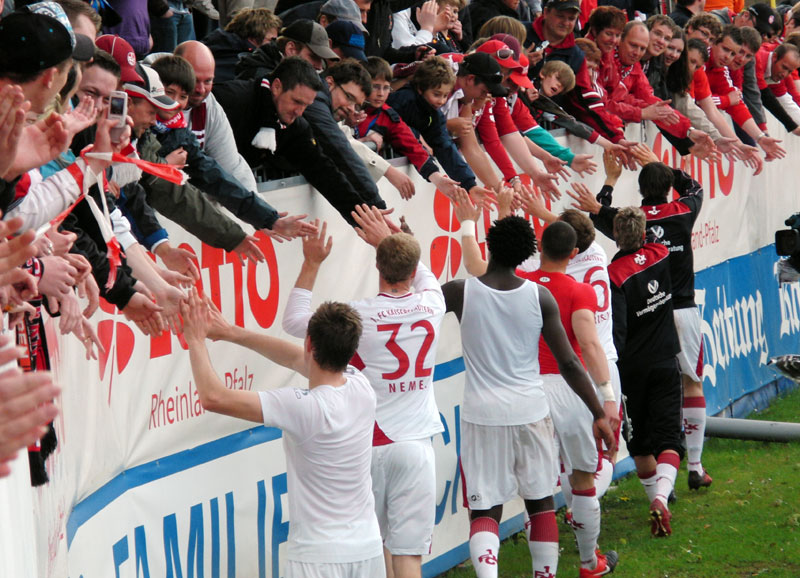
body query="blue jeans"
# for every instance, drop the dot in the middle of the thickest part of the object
(169, 32)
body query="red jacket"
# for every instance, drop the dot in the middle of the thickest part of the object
(493, 122)
(386, 122)
(629, 92)
(721, 83)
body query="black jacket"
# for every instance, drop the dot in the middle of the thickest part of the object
(249, 106)
(641, 305)
(482, 10)
(227, 48)
(259, 63)
(430, 123)
(671, 223)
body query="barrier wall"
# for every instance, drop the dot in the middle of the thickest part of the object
(145, 483)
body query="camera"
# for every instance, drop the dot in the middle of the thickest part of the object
(787, 241)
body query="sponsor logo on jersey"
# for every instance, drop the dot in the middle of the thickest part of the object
(544, 279)
(658, 231)
(652, 286)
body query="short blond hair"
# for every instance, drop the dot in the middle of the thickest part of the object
(562, 72)
(397, 257)
(629, 227)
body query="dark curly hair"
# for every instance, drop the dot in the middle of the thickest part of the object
(510, 241)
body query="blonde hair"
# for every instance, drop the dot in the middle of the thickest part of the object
(629, 226)
(562, 72)
(397, 257)
(504, 25)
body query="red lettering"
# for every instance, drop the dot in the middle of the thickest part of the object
(264, 310)
(395, 349)
(170, 410)
(725, 179)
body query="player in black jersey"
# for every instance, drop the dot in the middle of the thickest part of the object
(641, 303)
(671, 223)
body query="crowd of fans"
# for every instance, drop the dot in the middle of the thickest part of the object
(468, 92)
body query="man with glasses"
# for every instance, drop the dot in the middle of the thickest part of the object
(344, 90)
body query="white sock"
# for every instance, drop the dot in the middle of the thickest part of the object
(603, 478)
(566, 488)
(586, 524)
(484, 546)
(666, 472)
(649, 483)
(694, 426)
(543, 544)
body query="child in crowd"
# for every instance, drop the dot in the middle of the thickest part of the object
(556, 77)
(383, 126)
(179, 146)
(418, 104)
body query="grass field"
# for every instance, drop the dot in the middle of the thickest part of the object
(746, 524)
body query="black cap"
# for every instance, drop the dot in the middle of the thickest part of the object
(30, 43)
(564, 5)
(487, 69)
(766, 19)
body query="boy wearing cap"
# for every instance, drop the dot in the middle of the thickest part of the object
(172, 132)
(383, 125)
(496, 128)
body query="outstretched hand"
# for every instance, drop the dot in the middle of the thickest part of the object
(196, 318)
(585, 200)
(372, 226)
(464, 208)
(290, 227)
(315, 247)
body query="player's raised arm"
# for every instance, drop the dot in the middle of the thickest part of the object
(214, 395)
(298, 309)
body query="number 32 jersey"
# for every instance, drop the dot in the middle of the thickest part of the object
(398, 354)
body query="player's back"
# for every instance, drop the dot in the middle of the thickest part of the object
(328, 454)
(590, 266)
(499, 336)
(570, 296)
(397, 351)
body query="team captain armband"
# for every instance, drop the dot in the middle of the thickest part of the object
(606, 391)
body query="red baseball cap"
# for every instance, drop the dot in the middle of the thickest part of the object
(519, 76)
(121, 51)
(501, 53)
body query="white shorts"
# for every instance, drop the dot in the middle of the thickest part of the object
(572, 421)
(687, 322)
(404, 485)
(502, 462)
(361, 569)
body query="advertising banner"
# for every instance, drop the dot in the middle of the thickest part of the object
(146, 483)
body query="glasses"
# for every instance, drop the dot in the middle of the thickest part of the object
(350, 97)
(504, 54)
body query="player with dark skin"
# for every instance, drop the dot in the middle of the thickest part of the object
(503, 278)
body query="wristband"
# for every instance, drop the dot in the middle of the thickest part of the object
(762, 135)
(467, 228)
(606, 391)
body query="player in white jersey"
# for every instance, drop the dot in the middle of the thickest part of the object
(507, 435)
(397, 353)
(333, 531)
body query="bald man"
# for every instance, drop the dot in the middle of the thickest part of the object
(208, 120)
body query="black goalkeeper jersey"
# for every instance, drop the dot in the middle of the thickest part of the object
(669, 223)
(641, 303)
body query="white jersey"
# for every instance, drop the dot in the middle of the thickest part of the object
(328, 442)
(591, 267)
(500, 339)
(397, 353)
